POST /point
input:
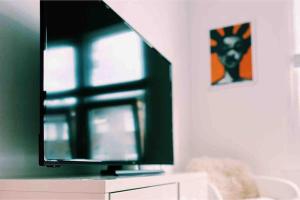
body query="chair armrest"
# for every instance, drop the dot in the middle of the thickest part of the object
(213, 193)
(277, 188)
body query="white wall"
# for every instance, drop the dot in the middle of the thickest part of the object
(251, 122)
(163, 24)
(246, 121)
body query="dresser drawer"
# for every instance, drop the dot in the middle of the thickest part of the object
(162, 192)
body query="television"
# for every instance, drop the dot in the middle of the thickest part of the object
(106, 93)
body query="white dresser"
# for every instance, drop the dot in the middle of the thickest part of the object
(190, 186)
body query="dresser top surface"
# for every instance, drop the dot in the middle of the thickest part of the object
(94, 184)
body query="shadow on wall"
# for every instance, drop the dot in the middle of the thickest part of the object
(19, 103)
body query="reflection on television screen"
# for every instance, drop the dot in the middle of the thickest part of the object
(108, 93)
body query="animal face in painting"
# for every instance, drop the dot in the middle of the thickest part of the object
(230, 47)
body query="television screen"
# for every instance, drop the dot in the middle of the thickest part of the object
(107, 93)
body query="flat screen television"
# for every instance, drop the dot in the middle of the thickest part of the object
(106, 94)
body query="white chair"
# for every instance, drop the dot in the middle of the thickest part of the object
(266, 188)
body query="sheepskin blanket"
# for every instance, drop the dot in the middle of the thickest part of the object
(261, 198)
(231, 177)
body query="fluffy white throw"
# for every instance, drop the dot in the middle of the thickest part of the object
(231, 177)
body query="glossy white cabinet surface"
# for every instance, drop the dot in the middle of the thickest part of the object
(162, 192)
(186, 186)
(16, 195)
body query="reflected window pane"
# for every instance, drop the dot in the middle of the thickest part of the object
(113, 134)
(56, 137)
(116, 58)
(59, 69)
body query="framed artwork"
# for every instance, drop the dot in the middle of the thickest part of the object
(231, 54)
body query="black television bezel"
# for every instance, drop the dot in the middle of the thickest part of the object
(134, 84)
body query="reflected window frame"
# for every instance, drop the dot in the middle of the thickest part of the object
(83, 90)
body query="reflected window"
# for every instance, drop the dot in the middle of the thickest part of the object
(113, 133)
(59, 69)
(116, 58)
(56, 137)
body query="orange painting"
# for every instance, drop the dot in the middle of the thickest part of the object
(231, 54)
